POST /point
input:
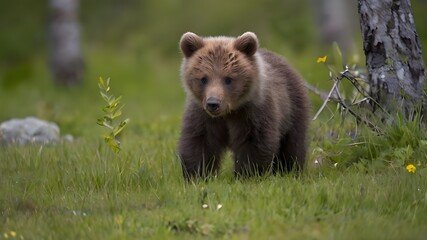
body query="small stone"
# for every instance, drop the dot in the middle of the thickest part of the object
(28, 130)
(67, 138)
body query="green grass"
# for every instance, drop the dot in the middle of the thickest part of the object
(82, 190)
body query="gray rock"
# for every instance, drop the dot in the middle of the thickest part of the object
(28, 130)
(67, 138)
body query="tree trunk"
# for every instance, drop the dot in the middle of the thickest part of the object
(66, 61)
(393, 54)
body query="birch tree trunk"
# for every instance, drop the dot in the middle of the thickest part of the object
(66, 60)
(393, 54)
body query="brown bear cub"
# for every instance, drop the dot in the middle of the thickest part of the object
(242, 98)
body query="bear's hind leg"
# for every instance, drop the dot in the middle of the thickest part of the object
(292, 155)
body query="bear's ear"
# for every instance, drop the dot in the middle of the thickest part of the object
(190, 43)
(247, 43)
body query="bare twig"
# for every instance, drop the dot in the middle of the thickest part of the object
(361, 89)
(321, 94)
(335, 95)
(326, 100)
(341, 101)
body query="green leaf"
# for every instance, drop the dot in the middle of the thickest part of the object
(115, 101)
(107, 109)
(116, 114)
(105, 124)
(101, 82)
(121, 126)
(107, 136)
(114, 145)
(104, 96)
(100, 121)
(108, 119)
(117, 111)
(337, 56)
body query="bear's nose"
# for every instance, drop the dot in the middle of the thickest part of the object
(212, 104)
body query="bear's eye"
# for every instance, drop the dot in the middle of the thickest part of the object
(204, 80)
(228, 80)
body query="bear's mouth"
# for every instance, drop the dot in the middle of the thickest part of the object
(219, 112)
(213, 113)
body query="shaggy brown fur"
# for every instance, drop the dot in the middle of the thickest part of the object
(243, 98)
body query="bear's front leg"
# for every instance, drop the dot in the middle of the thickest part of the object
(254, 154)
(252, 160)
(203, 140)
(254, 143)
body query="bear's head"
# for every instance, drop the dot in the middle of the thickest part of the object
(220, 73)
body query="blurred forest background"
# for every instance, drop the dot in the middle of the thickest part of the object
(135, 42)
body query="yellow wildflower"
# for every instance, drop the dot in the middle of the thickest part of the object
(322, 59)
(411, 168)
(12, 233)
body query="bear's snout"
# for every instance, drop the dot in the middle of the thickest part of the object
(212, 105)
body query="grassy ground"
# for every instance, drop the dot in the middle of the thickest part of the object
(82, 190)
